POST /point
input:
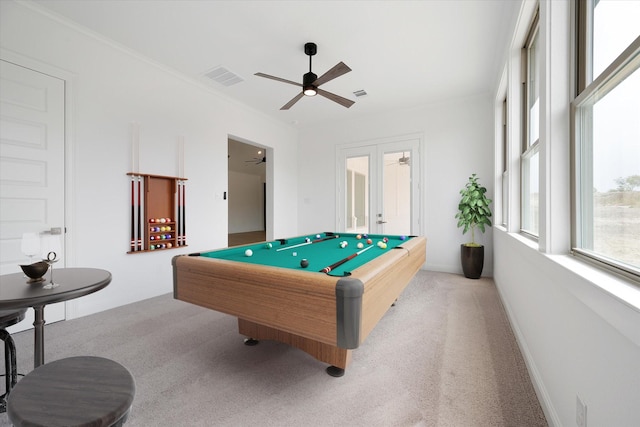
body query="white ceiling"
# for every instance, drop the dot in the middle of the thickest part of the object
(402, 53)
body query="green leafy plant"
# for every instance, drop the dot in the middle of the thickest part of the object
(473, 209)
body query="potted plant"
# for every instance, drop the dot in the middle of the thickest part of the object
(473, 212)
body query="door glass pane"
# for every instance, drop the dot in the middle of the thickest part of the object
(397, 193)
(357, 203)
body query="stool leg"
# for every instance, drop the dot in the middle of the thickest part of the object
(4, 336)
(14, 362)
(10, 362)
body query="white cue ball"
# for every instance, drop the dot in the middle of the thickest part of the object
(248, 252)
(295, 254)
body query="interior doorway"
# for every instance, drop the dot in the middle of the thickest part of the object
(247, 195)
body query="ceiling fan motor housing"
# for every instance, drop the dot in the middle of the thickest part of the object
(308, 79)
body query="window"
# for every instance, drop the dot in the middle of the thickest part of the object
(606, 113)
(505, 167)
(529, 159)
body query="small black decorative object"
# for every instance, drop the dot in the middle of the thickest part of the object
(35, 271)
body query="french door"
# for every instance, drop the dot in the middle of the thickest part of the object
(378, 187)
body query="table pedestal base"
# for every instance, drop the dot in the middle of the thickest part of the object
(38, 336)
(335, 356)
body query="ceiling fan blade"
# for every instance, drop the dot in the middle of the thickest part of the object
(267, 76)
(338, 70)
(293, 101)
(336, 98)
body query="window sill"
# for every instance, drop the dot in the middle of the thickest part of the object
(620, 288)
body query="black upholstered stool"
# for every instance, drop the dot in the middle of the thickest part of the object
(76, 391)
(8, 318)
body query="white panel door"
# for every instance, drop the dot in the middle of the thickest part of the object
(31, 170)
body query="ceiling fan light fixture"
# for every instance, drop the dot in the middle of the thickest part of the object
(307, 84)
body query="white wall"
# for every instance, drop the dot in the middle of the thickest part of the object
(109, 89)
(458, 141)
(246, 202)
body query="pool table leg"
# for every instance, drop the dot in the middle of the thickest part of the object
(334, 371)
(339, 358)
(251, 342)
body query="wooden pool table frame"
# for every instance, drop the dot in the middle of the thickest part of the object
(323, 315)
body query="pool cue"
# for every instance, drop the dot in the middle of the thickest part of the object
(133, 215)
(139, 247)
(342, 261)
(307, 243)
(177, 228)
(184, 215)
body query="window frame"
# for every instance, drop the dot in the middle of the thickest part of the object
(528, 148)
(588, 91)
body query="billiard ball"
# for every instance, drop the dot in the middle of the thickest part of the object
(294, 254)
(369, 241)
(317, 236)
(152, 247)
(152, 220)
(383, 245)
(307, 240)
(403, 237)
(358, 237)
(385, 239)
(268, 245)
(304, 263)
(248, 252)
(168, 219)
(360, 245)
(169, 245)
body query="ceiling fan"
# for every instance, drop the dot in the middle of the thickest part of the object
(310, 81)
(257, 160)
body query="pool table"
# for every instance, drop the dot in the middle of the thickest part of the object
(326, 308)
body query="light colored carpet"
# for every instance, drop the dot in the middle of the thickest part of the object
(445, 355)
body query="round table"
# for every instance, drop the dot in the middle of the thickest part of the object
(16, 293)
(76, 391)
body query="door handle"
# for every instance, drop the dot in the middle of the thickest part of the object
(54, 231)
(381, 222)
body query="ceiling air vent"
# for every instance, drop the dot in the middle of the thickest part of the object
(359, 93)
(224, 76)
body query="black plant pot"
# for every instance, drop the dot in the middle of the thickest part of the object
(472, 258)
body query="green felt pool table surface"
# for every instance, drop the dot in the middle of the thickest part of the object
(323, 250)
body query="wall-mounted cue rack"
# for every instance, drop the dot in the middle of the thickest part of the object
(157, 212)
